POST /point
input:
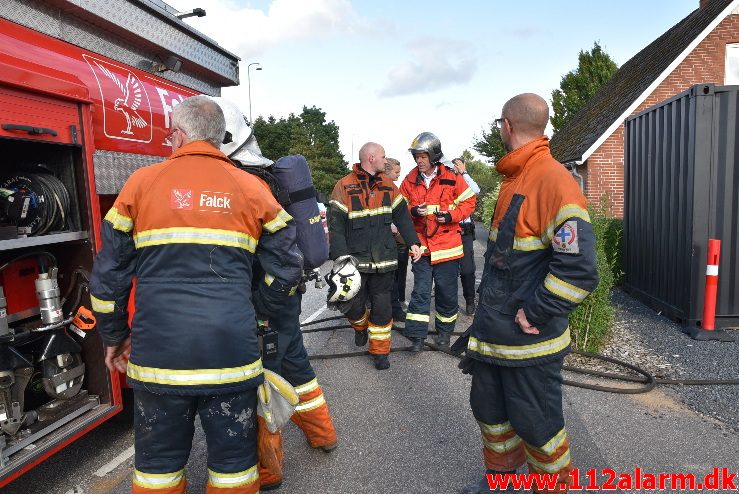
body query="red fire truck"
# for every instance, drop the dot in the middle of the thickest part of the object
(86, 93)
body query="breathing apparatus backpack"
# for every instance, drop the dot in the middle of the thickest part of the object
(291, 184)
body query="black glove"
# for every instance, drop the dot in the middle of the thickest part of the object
(444, 217)
(467, 365)
(416, 211)
(460, 345)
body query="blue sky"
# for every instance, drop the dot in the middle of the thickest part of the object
(387, 70)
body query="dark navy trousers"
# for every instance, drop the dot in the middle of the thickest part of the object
(444, 278)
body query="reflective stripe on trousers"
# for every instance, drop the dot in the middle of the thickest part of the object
(499, 396)
(312, 415)
(163, 431)
(376, 287)
(444, 277)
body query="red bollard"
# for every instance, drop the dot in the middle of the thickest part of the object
(709, 301)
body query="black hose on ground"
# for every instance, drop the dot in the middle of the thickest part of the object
(647, 380)
(311, 323)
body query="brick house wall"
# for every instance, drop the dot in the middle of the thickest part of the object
(604, 169)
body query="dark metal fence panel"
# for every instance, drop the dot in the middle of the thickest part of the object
(681, 188)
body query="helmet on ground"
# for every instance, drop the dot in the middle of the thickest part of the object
(426, 142)
(344, 280)
(239, 143)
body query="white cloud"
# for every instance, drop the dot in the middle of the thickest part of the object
(435, 64)
(250, 32)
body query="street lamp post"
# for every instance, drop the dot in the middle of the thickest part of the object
(248, 79)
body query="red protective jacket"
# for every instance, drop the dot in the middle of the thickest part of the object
(447, 192)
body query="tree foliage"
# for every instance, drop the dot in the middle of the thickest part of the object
(490, 144)
(308, 134)
(594, 68)
(484, 176)
(591, 322)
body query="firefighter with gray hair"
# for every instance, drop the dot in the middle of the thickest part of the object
(188, 229)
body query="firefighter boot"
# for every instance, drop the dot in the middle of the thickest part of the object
(470, 306)
(416, 345)
(482, 486)
(382, 362)
(360, 337)
(442, 339)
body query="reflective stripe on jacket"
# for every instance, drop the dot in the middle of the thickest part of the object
(188, 229)
(361, 210)
(539, 202)
(447, 192)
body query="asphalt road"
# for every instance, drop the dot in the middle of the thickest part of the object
(409, 429)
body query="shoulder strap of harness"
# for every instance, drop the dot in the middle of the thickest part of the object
(281, 195)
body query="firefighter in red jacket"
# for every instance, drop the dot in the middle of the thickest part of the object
(188, 229)
(439, 199)
(539, 265)
(363, 206)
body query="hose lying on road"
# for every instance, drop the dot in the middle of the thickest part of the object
(645, 379)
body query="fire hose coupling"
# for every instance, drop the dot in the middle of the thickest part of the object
(47, 292)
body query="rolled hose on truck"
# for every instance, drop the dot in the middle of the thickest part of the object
(49, 207)
(647, 380)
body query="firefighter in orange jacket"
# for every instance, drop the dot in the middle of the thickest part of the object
(439, 199)
(539, 265)
(188, 229)
(363, 206)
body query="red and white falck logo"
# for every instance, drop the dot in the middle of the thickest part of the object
(180, 199)
(126, 107)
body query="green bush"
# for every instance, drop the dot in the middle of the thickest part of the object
(592, 321)
(614, 240)
(488, 201)
(486, 178)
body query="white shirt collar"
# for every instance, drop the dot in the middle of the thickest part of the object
(428, 178)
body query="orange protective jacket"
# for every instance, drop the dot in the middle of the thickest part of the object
(447, 192)
(540, 258)
(188, 229)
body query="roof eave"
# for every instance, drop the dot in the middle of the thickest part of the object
(673, 65)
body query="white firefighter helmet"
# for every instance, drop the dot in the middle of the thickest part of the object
(239, 143)
(344, 280)
(426, 142)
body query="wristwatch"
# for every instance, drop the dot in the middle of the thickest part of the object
(464, 173)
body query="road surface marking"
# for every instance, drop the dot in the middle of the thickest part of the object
(314, 315)
(114, 463)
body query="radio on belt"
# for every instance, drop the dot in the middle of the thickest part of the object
(268, 339)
